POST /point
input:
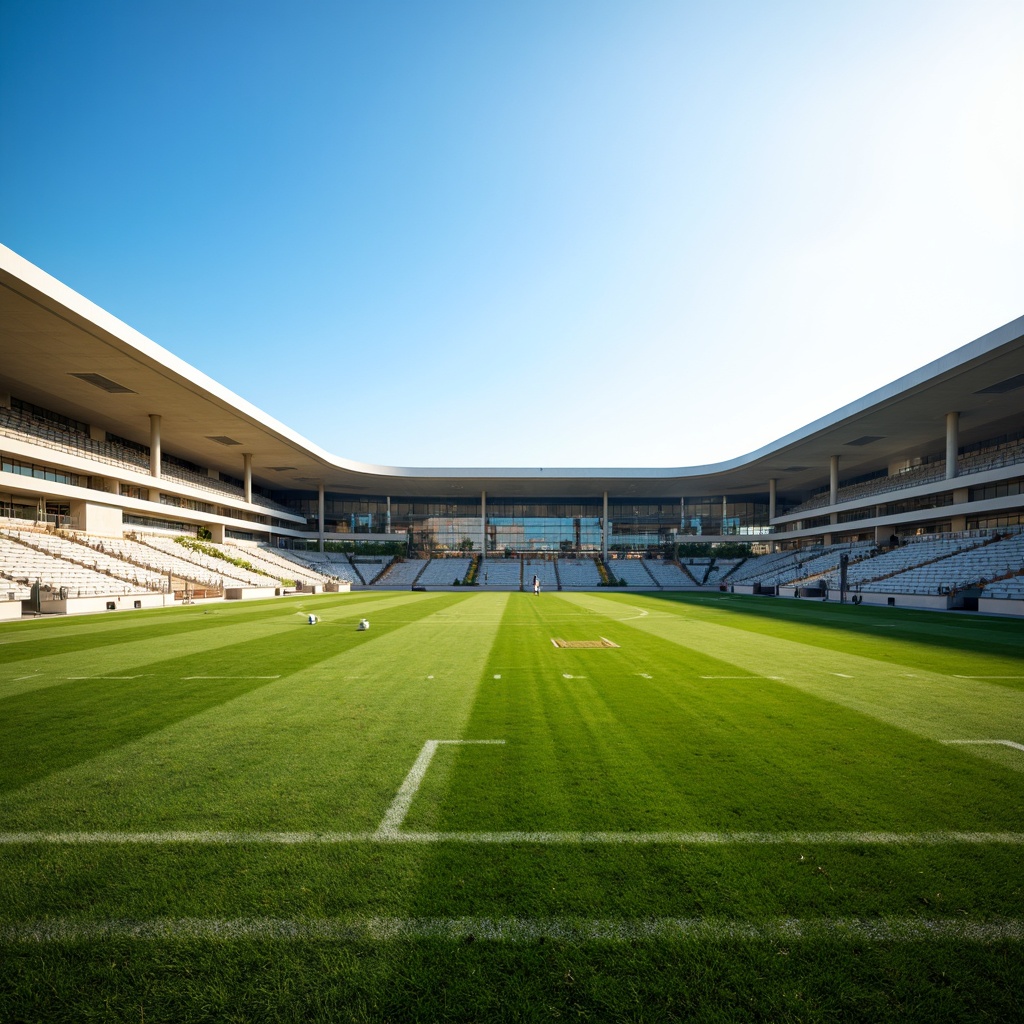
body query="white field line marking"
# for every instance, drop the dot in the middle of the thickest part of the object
(734, 677)
(988, 677)
(31, 675)
(842, 675)
(644, 675)
(384, 834)
(553, 644)
(1004, 743)
(79, 678)
(498, 676)
(395, 814)
(229, 677)
(518, 929)
(610, 643)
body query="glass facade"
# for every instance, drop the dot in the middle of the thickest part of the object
(517, 526)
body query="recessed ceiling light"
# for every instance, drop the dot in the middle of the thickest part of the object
(104, 383)
(1010, 384)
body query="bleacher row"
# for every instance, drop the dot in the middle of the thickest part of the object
(81, 566)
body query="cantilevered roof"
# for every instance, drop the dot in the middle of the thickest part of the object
(62, 351)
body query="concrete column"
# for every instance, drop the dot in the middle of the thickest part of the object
(483, 524)
(833, 479)
(771, 499)
(952, 443)
(247, 476)
(604, 528)
(154, 445)
(320, 514)
(387, 517)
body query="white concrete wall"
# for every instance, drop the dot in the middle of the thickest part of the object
(248, 593)
(1000, 606)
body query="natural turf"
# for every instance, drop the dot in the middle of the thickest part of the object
(748, 810)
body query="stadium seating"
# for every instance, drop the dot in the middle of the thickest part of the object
(632, 570)
(443, 572)
(501, 572)
(577, 573)
(669, 574)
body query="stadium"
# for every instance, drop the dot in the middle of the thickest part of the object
(113, 449)
(754, 751)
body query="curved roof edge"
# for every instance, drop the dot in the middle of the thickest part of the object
(35, 278)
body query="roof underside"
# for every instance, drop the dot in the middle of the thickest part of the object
(62, 352)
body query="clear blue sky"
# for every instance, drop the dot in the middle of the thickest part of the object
(531, 233)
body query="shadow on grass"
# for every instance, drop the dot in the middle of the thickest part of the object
(42, 731)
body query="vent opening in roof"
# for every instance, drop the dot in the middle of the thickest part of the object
(283, 469)
(794, 469)
(866, 439)
(1010, 384)
(104, 383)
(222, 439)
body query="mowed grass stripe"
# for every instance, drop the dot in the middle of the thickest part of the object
(892, 686)
(162, 635)
(48, 730)
(935, 642)
(608, 750)
(326, 746)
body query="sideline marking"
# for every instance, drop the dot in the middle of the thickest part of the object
(842, 675)
(1004, 743)
(518, 929)
(389, 833)
(395, 814)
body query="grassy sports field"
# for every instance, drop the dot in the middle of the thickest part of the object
(720, 809)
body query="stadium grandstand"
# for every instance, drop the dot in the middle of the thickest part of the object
(129, 479)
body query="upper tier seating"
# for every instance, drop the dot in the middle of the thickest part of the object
(14, 423)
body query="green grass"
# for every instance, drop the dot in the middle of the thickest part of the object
(719, 750)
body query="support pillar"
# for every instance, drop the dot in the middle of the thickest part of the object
(833, 479)
(154, 445)
(483, 525)
(320, 514)
(247, 476)
(387, 517)
(604, 528)
(952, 443)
